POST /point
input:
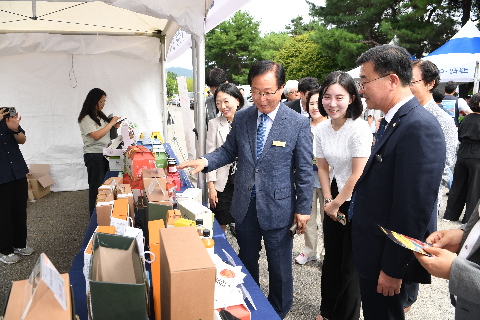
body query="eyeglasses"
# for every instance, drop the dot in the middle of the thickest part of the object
(415, 81)
(102, 102)
(362, 84)
(267, 95)
(293, 91)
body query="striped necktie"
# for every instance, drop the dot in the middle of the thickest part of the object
(261, 130)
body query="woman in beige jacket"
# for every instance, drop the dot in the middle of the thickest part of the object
(228, 100)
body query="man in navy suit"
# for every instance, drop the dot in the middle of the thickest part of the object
(399, 185)
(273, 182)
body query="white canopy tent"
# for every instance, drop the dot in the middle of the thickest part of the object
(457, 58)
(53, 53)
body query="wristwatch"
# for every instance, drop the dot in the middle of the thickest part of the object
(16, 132)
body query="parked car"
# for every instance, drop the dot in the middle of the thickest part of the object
(192, 100)
(175, 101)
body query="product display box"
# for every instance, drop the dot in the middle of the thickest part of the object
(154, 238)
(118, 288)
(39, 180)
(190, 193)
(188, 276)
(155, 192)
(193, 210)
(109, 180)
(127, 193)
(44, 306)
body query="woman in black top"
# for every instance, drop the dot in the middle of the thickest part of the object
(466, 176)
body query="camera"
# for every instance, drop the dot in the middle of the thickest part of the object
(13, 111)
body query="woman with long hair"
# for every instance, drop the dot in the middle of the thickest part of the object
(228, 100)
(95, 128)
(343, 145)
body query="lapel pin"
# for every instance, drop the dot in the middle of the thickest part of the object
(394, 125)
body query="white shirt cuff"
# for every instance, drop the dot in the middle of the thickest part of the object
(206, 161)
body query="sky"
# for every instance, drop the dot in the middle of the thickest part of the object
(273, 14)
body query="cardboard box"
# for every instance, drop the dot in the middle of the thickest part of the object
(156, 193)
(111, 148)
(188, 276)
(118, 287)
(104, 212)
(154, 231)
(128, 194)
(44, 304)
(115, 163)
(190, 193)
(172, 216)
(193, 210)
(87, 254)
(109, 180)
(39, 180)
(120, 216)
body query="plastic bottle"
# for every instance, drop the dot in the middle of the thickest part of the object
(207, 241)
(200, 228)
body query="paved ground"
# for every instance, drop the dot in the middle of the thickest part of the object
(57, 224)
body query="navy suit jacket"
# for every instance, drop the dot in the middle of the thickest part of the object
(398, 190)
(282, 176)
(294, 105)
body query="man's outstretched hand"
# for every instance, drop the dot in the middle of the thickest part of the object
(197, 165)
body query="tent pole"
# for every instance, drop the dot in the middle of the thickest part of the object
(195, 76)
(163, 85)
(475, 78)
(200, 108)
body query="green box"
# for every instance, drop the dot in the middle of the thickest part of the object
(118, 289)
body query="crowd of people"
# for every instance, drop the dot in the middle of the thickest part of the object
(368, 154)
(376, 153)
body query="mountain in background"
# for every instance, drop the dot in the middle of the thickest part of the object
(181, 72)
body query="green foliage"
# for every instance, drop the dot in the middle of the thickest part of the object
(233, 46)
(172, 86)
(421, 26)
(341, 46)
(271, 43)
(297, 27)
(190, 84)
(301, 57)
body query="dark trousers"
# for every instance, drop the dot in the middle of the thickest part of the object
(465, 189)
(97, 167)
(340, 288)
(376, 306)
(278, 246)
(412, 293)
(13, 215)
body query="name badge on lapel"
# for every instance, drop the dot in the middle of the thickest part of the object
(279, 143)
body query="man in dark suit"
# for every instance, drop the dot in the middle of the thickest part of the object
(399, 185)
(304, 86)
(273, 182)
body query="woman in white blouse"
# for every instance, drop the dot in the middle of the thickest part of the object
(343, 145)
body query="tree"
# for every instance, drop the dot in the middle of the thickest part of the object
(271, 43)
(189, 84)
(297, 27)
(301, 57)
(341, 46)
(420, 26)
(172, 86)
(233, 46)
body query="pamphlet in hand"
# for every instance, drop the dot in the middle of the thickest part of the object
(407, 242)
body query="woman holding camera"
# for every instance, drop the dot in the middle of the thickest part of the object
(95, 128)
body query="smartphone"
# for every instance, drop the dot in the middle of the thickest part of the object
(120, 121)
